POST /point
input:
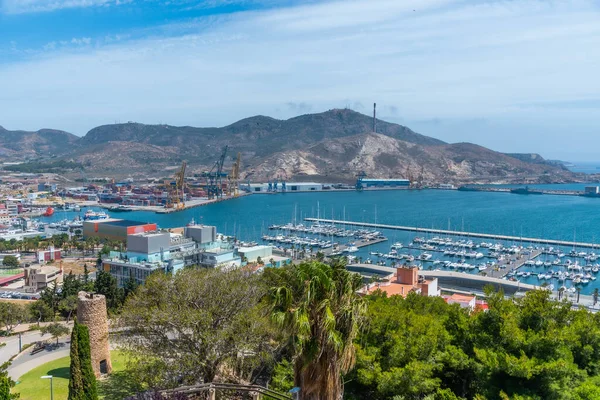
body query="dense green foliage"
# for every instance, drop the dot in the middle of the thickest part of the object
(304, 325)
(76, 379)
(82, 384)
(6, 383)
(317, 306)
(10, 261)
(12, 314)
(530, 348)
(65, 299)
(106, 284)
(198, 324)
(55, 330)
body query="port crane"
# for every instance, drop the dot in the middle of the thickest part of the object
(359, 180)
(177, 193)
(234, 178)
(214, 177)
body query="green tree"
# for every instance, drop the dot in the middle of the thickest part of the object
(55, 330)
(283, 377)
(76, 378)
(6, 383)
(130, 286)
(51, 297)
(320, 256)
(85, 356)
(40, 311)
(86, 274)
(187, 328)
(11, 261)
(12, 314)
(106, 284)
(68, 306)
(71, 285)
(318, 307)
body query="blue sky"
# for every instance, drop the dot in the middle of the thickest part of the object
(513, 75)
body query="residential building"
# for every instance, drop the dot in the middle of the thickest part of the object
(465, 301)
(39, 277)
(401, 282)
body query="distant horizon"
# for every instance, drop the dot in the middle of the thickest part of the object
(567, 160)
(516, 76)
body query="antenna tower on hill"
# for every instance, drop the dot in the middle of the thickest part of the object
(374, 118)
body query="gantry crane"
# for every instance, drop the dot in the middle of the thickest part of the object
(234, 178)
(214, 177)
(177, 192)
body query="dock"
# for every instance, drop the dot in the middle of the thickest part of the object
(514, 262)
(552, 242)
(357, 243)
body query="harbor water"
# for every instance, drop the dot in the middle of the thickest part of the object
(569, 218)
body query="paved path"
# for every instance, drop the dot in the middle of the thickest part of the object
(12, 344)
(27, 362)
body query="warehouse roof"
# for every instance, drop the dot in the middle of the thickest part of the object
(121, 222)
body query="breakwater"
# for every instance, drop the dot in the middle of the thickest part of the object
(552, 242)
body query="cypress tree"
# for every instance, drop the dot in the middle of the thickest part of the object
(90, 391)
(76, 380)
(4, 388)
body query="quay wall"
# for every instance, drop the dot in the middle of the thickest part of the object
(458, 233)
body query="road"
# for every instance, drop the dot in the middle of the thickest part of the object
(26, 362)
(12, 344)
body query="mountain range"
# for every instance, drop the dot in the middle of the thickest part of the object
(331, 146)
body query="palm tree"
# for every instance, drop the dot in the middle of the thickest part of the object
(595, 296)
(318, 306)
(578, 293)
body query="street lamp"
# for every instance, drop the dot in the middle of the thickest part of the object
(51, 391)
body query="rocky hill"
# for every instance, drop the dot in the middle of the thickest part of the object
(23, 145)
(329, 146)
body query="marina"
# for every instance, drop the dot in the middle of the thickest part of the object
(459, 233)
(497, 215)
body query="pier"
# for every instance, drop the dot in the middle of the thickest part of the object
(357, 243)
(458, 233)
(512, 264)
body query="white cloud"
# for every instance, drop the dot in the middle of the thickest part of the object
(31, 6)
(447, 59)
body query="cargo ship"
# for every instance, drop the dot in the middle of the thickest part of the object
(525, 190)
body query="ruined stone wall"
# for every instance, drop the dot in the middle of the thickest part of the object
(91, 312)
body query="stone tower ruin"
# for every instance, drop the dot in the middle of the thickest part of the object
(91, 312)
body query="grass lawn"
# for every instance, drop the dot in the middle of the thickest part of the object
(4, 272)
(32, 387)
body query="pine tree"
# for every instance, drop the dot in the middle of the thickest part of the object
(76, 380)
(90, 391)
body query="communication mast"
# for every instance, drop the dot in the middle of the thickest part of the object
(374, 117)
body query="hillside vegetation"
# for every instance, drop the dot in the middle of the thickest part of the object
(331, 146)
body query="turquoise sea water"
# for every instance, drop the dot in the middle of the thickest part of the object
(555, 217)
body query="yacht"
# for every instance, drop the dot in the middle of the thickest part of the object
(351, 249)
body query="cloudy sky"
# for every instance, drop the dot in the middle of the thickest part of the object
(520, 75)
